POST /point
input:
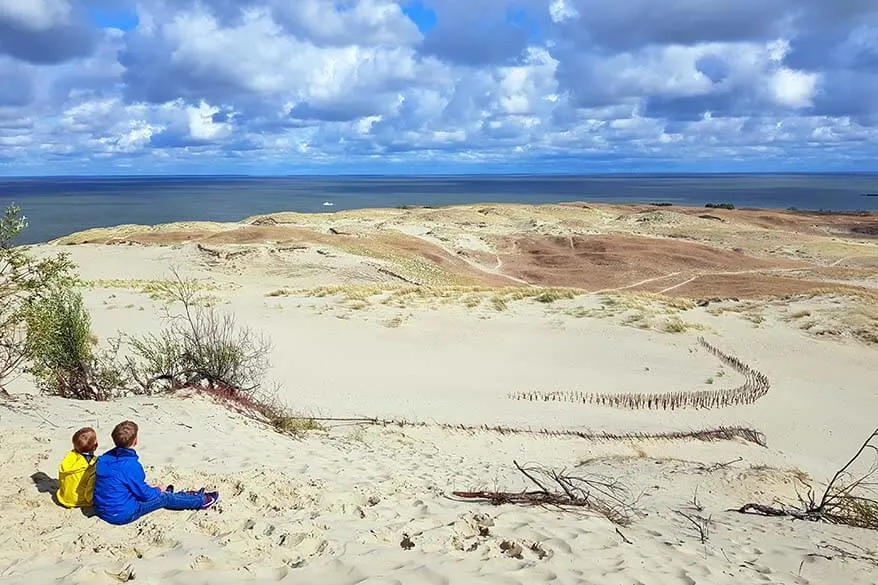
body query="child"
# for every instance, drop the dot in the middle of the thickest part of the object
(76, 475)
(121, 494)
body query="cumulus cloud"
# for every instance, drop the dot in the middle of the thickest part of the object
(203, 85)
(44, 31)
(35, 14)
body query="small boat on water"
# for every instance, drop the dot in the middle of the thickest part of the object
(328, 204)
(870, 194)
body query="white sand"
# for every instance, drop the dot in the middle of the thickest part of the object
(333, 507)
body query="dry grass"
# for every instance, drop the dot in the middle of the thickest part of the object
(552, 295)
(634, 309)
(405, 296)
(499, 303)
(838, 315)
(293, 425)
(800, 314)
(677, 325)
(156, 289)
(393, 323)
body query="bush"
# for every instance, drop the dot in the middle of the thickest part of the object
(200, 347)
(205, 350)
(61, 349)
(720, 206)
(24, 280)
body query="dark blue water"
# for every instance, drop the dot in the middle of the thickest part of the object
(59, 206)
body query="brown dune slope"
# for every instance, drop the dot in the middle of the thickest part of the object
(676, 251)
(612, 261)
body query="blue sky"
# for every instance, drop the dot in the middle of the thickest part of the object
(444, 86)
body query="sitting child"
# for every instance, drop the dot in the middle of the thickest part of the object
(121, 494)
(76, 475)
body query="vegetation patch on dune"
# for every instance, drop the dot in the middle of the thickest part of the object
(405, 296)
(838, 315)
(640, 310)
(156, 289)
(828, 312)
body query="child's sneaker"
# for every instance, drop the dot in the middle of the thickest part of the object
(210, 500)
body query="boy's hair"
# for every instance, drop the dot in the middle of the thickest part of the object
(85, 440)
(125, 434)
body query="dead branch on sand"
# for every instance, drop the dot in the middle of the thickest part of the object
(602, 496)
(701, 524)
(833, 551)
(850, 498)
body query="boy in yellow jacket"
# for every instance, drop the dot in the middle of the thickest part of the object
(76, 476)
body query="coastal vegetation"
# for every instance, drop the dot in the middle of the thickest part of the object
(45, 331)
(28, 284)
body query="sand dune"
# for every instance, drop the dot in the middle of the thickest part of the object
(592, 247)
(333, 508)
(449, 317)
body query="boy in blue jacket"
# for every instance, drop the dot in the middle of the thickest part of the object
(121, 494)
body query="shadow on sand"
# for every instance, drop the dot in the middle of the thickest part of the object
(46, 484)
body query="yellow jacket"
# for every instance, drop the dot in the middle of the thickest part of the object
(76, 480)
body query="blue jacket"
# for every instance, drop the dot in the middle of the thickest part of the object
(120, 484)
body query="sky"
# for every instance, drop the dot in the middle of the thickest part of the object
(436, 86)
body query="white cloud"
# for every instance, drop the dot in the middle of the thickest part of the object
(205, 82)
(367, 22)
(560, 11)
(202, 125)
(794, 89)
(37, 15)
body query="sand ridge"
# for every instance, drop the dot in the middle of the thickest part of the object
(679, 251)
(445, 319)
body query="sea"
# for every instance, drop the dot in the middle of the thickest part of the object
(57, 206)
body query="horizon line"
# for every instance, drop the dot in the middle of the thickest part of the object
(436, 175)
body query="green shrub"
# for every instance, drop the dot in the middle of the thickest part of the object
(61, 348)
(199, 347)
(24, 279)
(720, 206)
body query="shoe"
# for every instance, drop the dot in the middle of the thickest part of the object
(210, 500)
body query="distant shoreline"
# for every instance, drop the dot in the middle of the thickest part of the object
(59, 206)
(404, 176)
(705, 211)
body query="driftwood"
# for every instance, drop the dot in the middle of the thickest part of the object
(602, 496)
(393, 274)
(848, 499)
(266, 220)
(222, 254)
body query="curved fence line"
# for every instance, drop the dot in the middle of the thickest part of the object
(755, 386)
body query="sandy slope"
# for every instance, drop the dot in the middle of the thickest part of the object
(684, 251)
(333, 507)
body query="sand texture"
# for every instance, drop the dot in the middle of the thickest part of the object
(630, 326)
